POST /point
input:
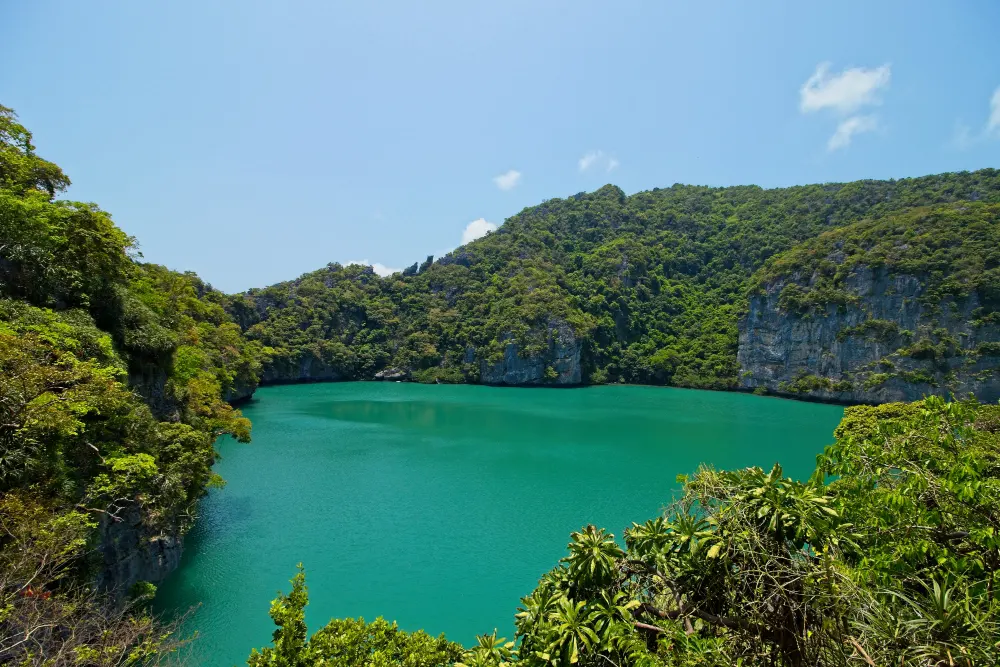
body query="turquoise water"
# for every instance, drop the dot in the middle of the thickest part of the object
(440, 506)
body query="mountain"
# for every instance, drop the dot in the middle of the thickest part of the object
(660, 287)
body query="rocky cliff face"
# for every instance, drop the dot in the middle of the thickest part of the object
(239, 392)
(131, 552)
(558, 364)
(307, 368)
(887, 343)
(150, 382)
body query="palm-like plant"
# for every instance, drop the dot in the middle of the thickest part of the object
(783, 508)
(490, 651)
(648, 538)
(689, 532)
(944, 624)
(532, 618)
(573, 633)
(609, 613)
(593, 557)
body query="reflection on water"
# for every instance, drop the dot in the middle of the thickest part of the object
(440, 506)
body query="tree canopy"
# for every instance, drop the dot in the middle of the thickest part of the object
(653, 283)
(112, 380)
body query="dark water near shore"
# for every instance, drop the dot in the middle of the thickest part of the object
(440, 506)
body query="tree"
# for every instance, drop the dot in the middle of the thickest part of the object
(20, 169)
(112, 380)
(49, 619)
(346, 642)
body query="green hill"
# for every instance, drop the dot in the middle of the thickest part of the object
(647, 288)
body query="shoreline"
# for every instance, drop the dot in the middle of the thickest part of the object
(739, 390)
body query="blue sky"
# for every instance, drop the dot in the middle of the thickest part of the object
(253, 140)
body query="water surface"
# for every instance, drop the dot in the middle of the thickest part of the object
(440, 506)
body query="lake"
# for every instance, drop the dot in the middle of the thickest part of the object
(440, 506)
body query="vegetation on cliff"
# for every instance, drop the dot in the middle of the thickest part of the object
(112, 375)
(888, 555)
(912, 298)
(654, 283)
(956, 248)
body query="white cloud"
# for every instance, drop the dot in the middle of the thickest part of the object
(845, 92)
(848, 128)
(380, 269)
(993, 124)
(598, 158)
(964, 137)
(477, 229)
(508, 180)
(589, 159)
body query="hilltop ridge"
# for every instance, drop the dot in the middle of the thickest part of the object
(602, 287)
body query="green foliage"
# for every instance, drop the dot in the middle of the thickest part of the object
(21, 170)
(348, 642)
(875, 380)
(113, 376)
(654, 283)
(41, 546)
(876, 330)
(59, 253)
(955, 249)
(988, 349)
(806, 383)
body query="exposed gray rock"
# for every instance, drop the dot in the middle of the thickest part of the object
(131, 552)
(562, 356)
(817, 356)
(150, 383)
(390, 374)
(307, 368)
(239, 392)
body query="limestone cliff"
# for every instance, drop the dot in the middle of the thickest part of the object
(888, 340)
(239, 392)
(131, 551)
(556, 363)
(306, 367)
(150, 382)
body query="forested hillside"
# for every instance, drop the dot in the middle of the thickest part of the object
(117, 377)
(887, 309)
(647, 288)
(112, 379)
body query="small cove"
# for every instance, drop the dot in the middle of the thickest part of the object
(439, 506)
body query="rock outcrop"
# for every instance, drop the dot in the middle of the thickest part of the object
(307, 368)
(239, 392)
(150, 382)
(886, 343)
(131, 551)
(393, 375)
(557, 364)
